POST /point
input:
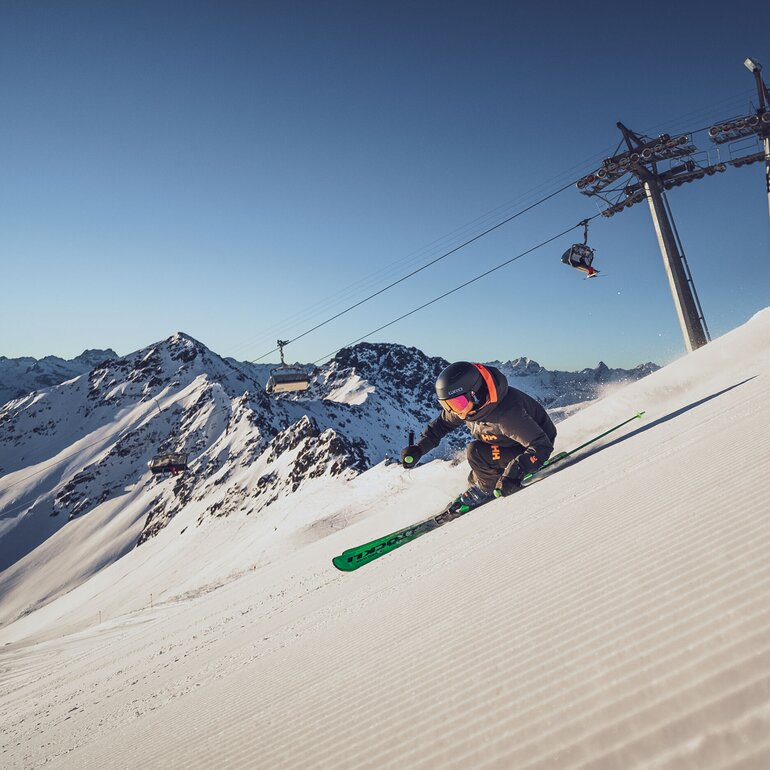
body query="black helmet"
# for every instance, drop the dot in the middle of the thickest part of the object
(460, 383)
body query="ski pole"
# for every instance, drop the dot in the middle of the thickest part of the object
(409, 458)
(563, 455)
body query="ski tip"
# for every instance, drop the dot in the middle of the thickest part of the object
(343, 564)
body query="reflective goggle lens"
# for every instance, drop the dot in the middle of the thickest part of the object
(457, 404)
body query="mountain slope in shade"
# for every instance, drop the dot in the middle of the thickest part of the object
(20, 376)
(80, 449)
(615, 615)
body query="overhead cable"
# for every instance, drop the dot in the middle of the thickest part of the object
(458, 288)
(420, 269)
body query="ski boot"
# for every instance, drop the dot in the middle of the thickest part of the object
(472, 498)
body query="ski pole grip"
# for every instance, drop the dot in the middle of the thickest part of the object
(411, 437)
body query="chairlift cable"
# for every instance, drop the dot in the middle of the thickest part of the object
(364, 281)
(420, 269)
(477, 237)
(372, 279)
(457, 288)
(483, 233)
(404, 278)
(735, 98)
(53, 464)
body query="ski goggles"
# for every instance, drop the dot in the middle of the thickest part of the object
(457, 404)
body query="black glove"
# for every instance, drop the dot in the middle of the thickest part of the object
(506, 486)
(510, 481)
(410, 456)
(526, 462)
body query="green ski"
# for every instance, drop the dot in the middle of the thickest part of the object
(353, 558)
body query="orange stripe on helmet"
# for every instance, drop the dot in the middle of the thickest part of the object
(490, 382)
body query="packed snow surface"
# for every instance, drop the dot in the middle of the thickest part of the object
(616, 615)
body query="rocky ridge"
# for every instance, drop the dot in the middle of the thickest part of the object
(84, 444)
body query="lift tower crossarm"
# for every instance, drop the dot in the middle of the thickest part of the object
(629, 136)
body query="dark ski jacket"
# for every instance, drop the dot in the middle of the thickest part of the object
(510, 417)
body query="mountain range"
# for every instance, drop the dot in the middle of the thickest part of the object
(80, 448)
(19, 376)
(615, 614)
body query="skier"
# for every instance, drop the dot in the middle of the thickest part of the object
(513, 434)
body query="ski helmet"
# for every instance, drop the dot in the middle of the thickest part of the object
(458, 384)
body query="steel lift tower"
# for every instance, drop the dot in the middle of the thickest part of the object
(641, 162)
(763, 125)
(649, 167)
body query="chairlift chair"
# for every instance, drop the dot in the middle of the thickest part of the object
(170, 462)
(285, 378)
(581, 255)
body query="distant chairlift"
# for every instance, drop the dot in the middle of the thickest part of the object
(581, 255)
(287, 379)
(170, 462)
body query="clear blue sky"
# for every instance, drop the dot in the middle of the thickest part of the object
(241, 171)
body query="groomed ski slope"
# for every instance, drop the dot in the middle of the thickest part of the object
(616, 615)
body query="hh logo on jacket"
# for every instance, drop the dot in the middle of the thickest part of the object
(489, 437)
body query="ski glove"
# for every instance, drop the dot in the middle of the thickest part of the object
(526, 462)
(506, 486)
(410, 456)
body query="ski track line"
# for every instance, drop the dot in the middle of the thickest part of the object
(611, 717)
(742, 746)
(327, 727)
(373, 747)
(633, 633)
(513, 652)
(567, 498)
(483, 699)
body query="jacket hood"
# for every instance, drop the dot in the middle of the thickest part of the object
(497, 393)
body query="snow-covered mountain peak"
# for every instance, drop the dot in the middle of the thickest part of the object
(95, 356)
(521, 367)
(386, 363)
(19, 376)
(632, 587)
(169, 365)
(79, 450)
(396, 370)
(183, 347)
